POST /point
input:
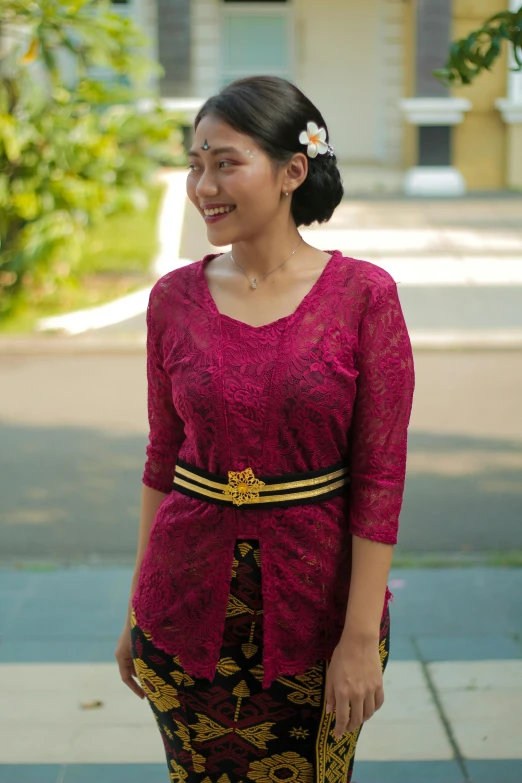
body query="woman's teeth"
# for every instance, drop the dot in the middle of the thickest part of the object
(218, 211)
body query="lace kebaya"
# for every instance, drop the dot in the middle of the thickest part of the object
(332, 381)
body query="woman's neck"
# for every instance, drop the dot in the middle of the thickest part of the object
(261, 254)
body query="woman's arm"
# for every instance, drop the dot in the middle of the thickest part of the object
(354, 684)
(166, 435)
(371, 563)
(151, 500)
(382, 408)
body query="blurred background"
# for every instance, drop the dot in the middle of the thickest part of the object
(423, 99)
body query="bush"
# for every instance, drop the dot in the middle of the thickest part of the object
(73, 148)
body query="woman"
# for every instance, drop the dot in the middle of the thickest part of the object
(280, 389)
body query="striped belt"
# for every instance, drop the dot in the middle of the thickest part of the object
(243, 488)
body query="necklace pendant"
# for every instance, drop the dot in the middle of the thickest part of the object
(254, 283)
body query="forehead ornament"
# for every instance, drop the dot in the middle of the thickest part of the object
(315, 139)
(205, 146)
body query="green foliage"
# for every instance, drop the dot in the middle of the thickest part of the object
(115, 259)
(469, 56)
(74, 148)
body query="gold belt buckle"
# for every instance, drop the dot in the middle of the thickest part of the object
(243, 487)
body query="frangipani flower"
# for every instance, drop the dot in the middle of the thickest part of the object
(315, 137)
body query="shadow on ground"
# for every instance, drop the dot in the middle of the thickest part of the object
(73, 494)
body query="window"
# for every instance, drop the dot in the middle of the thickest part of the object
(256, 38)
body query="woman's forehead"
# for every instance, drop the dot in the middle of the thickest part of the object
(221, 133)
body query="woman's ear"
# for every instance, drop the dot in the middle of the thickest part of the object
(296, 171)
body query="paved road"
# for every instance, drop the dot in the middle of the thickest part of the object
(432, 307)
(73, 432)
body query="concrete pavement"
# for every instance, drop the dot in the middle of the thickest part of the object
(457, 262)
(73, 431)
(452, 713)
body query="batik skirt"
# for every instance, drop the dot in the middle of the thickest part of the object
(230, 730)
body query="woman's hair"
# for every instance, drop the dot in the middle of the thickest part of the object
(274, 111)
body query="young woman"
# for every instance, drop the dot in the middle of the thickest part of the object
(280, 389)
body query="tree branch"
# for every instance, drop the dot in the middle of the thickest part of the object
(469, 56)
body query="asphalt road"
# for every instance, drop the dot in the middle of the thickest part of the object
(73, 431)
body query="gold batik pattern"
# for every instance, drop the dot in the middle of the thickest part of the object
(289, 767)
(161, 694)
(305, 688)
(232, 730)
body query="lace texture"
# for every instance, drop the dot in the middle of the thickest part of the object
(332, 381)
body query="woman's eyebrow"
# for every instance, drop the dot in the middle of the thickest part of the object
(217, 151)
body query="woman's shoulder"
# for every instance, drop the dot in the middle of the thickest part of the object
(362, 277)
(180, 284)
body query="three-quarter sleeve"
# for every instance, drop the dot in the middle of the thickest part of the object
(381, 415)
(166, 431)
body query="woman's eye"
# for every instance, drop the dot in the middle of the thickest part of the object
(222, 163)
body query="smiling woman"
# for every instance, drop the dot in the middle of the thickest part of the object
(280, 390)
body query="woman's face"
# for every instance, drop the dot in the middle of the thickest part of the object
(232, 183)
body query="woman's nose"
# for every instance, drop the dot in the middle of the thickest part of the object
(206, 185)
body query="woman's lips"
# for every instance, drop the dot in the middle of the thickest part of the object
(219, 216)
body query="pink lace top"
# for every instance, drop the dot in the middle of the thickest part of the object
(334, 380)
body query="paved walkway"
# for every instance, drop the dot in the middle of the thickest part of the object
(458, 264)
(453, 710)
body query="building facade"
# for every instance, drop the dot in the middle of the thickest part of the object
(368, 65)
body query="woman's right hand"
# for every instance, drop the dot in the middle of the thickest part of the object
(123, 655)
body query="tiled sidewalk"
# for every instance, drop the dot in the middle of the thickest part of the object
(453, 711)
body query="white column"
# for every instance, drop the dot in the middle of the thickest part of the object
(434, 174)
(511, 110)
(514, 96)
(434, 180)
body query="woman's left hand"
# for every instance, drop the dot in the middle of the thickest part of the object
(354, 687)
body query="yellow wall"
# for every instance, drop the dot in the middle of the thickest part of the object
(337, 51)
(514, 135)
(479, 143)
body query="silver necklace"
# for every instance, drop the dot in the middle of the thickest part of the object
(254, 283)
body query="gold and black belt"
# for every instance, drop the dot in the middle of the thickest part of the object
(243, 488)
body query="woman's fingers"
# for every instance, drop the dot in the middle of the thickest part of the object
(379, 698)
(131, 683)
(342, 717)
(369, 707)
(349, 713)
(330, 693)
(125, 661)
(355, 717)
(128, 675)
(353, 713)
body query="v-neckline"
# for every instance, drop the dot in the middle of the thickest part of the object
(306, 300)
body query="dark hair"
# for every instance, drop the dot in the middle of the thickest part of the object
(274, 111)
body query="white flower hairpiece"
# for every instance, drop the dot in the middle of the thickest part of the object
(315, 138)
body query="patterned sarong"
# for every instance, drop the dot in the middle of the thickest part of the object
(231, 730)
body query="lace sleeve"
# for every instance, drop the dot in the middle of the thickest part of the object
(165, 426)
(381, 416)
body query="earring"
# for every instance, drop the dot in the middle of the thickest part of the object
(287, 193)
